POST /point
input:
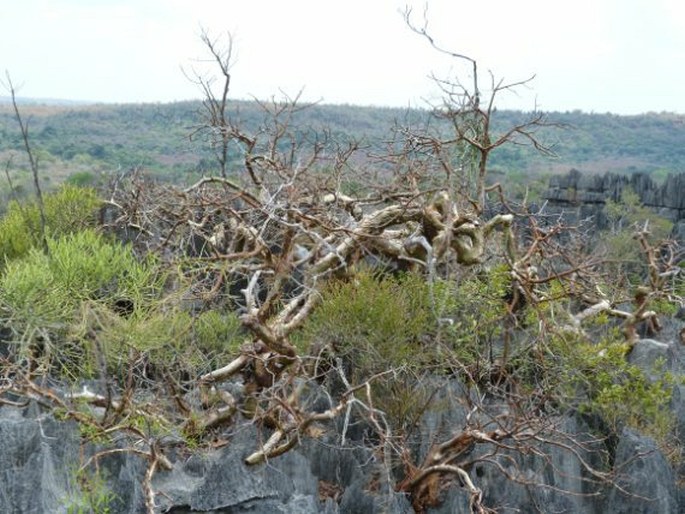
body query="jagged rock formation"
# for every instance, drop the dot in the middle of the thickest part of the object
(583, 196)
(39, 458)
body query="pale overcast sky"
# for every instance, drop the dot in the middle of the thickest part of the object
(621, 56)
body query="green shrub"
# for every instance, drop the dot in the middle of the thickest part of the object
(47, 298)
(411, 326)
(45, 289)
(31, 294)
(597, 378)
(91, 494)
(476, 308)
(218, 333)
(627, 264)
(73, 296)
(67, 210)
(409, 321)
(165, 337)
(161, 335)
(377, 323)
(91, 267)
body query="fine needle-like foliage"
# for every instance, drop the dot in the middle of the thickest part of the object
(67, 210)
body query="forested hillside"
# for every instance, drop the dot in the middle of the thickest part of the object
(81, 141)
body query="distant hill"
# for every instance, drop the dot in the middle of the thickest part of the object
(42, 101)
(79, 138)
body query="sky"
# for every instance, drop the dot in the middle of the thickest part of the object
(619, 56)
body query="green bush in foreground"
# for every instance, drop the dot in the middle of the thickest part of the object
(218, 334)
(596, 378)
(380, 324)
(377, 323)
(164, 337)
(91, 301)
(408, 321)
(42, 290)
(67, 210)
(42, 296)
(407, 328)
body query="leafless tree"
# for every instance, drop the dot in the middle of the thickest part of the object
(24, 129)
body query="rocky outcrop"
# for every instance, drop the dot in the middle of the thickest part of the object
(583, 195)
(40, 457)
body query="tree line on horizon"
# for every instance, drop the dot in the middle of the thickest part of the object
(78, 142)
